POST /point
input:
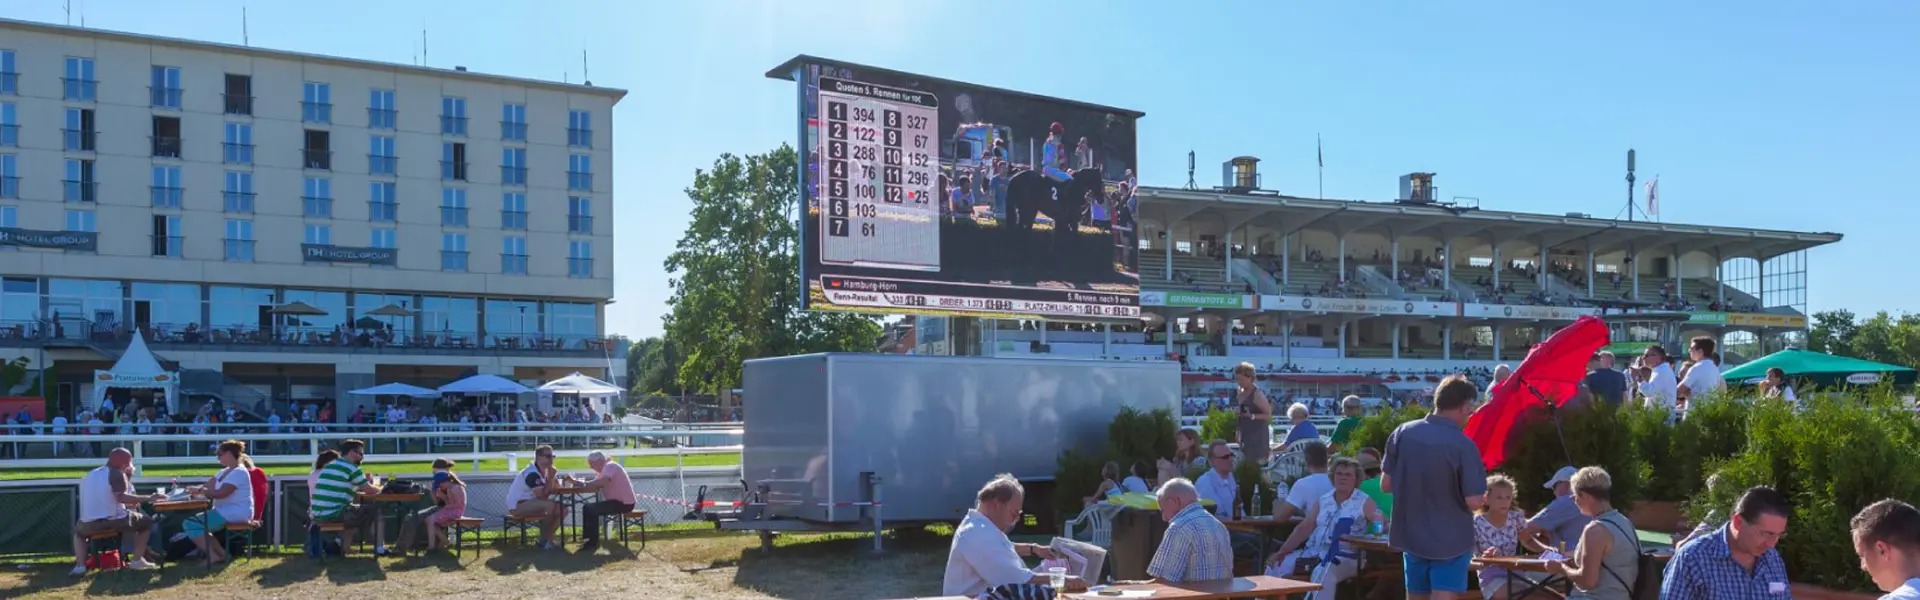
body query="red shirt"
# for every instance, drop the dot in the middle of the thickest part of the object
(259, 479)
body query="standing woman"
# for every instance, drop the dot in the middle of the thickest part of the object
(1256, 415)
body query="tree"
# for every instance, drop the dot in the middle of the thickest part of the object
(736, 278)
(1832, 332)
(654, 364)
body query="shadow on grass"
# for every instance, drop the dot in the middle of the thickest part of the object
(339, 570)
(513, 558)
(842, 566)
(120, 582)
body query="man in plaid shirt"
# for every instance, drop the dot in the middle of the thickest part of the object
(1738, 561)
(1196, 546)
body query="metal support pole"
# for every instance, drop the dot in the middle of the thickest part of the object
(876, 514)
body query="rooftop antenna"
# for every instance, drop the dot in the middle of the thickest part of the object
(69, 6)
(584, 77)
(245, 40)
(423, 45)
(1629, 184)
(1190, 183)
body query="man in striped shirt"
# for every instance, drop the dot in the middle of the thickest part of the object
(335, 490)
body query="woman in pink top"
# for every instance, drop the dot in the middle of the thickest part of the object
(452, 496)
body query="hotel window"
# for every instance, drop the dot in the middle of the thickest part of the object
(513, 166)
(166, 137)
(579, 214)
(513, 211)
(453, 116)
(382, 204)
(580, 259)
(9, 216)
(9, 78)
(78, 136)
(380, 113)
(380, 156)
(239, 246)
(453, 161)
(513, 122)
(80, 220)
(380, 237)
(81, 186)
(79, 83)
(319, 234)
(9, 125)
(167, 240)
(579, 172)
(9, 176)
(238, 147)
(579, 129)
(318, 152)
(165, 87)
(239, 94)
(453, 252)
(316, 102)
(453, 207)
(238, 194)
(166, 186)
(316, 199)
(513, 255)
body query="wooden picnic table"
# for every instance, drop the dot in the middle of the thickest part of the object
(1258, 586)
(197, 511)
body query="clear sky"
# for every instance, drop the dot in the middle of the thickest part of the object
(1774, 114)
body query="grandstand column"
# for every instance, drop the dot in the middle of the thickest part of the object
(1719, 283)
(1229, 257)
(1343, 258)
(1343, 338)
(1496, 339)
(1286, 262)
(1495, 242)
(1633, 263)
(1679, 280)
(1540, 268)
(1446, 269)
(1446, 341)
(1286, 340)
(1590, 271)
(1396, 330)
(1168, 230)
(1394, 247)
(1760, 279)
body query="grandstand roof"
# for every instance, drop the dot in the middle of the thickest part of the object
(1288, 213)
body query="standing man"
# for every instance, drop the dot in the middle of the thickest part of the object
(1438, 481)
(1737, 562)
(1603, 382)
(616, 491)
(1655, 378)
(1560, 524)
(1886, 535)
(1704, 377)
(106, 494)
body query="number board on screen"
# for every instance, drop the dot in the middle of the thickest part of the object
(879, 172)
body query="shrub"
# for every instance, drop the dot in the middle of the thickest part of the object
(1140, 436)
(1594, 435)
(1220, 425)
(1077, 476)
(1657, 443)
(1376, 427)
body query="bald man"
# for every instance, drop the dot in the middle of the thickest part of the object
(106, 493)
(1196, 546)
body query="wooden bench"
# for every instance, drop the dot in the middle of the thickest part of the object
(100, 543)
(462, 526)
(510, 522)
(246, 527)
(631, 518)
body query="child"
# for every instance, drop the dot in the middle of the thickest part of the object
(452, 496)
(1109, 484)
(1496, 532)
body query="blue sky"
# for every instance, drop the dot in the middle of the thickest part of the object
(1763, 114)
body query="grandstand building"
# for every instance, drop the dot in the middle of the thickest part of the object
(1339, 296)
(284, 227)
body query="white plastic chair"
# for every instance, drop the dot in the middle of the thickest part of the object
(1097, 522)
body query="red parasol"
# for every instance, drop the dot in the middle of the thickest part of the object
(1553, 369)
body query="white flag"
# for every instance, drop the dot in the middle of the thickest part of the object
(1653, 196)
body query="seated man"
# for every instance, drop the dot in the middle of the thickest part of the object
(1218, 486)
(616, 491)
(105, 495)
(1307, 489)
(1196, 546)
(981, 557)
(528, 497)
(335, 489)
(1738, 560)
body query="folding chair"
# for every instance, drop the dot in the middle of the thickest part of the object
(631, 518)
(1341, 528)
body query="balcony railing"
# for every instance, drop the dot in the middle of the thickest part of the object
(513, 175)
(513, 219)
(382, 118)
(238, 105)
(580, 268)
(81, 191)
(166, 147)
(579, 138)
(579, 223)
(236, 154)
(453, 216)
(77, 140)
(383, 211)
(237, 202)
(513, 264)
(513, 131)
(453, 125)
(168, 245)
(9, 83)
(453, 171)
(311, 206)
(78, 89)
(240, 250)
(316, 112)
(581, 181)
(165, 97)
(167, 197)
(453, 260)
(9, 135)
(9, 187)
(317, 159)
(382, 165)
(316, 339)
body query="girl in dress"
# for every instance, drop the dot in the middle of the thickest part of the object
(1496, 532)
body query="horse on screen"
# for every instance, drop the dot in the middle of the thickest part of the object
(1030, 193)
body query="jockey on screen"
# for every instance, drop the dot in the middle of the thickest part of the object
(1053, 155)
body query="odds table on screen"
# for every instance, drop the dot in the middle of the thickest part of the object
(879, 176)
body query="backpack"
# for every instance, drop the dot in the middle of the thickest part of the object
(1645, 586)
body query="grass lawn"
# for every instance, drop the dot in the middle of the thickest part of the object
(719, 566)
(383, 468)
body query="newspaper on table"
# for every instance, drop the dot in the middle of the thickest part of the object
(1081, 559)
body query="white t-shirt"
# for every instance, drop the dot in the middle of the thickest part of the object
(1134, 484)
(1307, 490)
(981, 558)
(1910, 591)
(522, 488)
(238, 506)
(1661, 389)
(1704, 378)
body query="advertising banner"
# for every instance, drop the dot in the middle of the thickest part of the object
(1369, 306)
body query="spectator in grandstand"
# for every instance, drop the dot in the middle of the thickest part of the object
(1704, 377)
(981, 557)
(1302, 429)
(1654, 378)
(1255, 415)
(528, 496)
(1311, 539)
(1560, 523)
(336, 489)
(1776, 386)
(1196, 547)
(1602, 381)
(1886, 535)
(1737, 561)
(231, 490)
(1431, 463)
(107, 503)
(1352, 409)
(1310, 488)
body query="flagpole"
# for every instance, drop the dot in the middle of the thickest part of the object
(1320, 155)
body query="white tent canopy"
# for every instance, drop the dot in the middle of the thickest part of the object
(484, 384)
(137, 368)
(594, 392)
(396, 389)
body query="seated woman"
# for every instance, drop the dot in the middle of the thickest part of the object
(452, 496)
(1303, 550)
(1109, 484)
(231, 491)
(1496, 532)
(1137, 482)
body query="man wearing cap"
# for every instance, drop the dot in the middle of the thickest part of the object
(1561, 522)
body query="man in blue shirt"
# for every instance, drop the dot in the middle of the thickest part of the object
(1560, 524)
(1438, 481)
(1737, 562)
